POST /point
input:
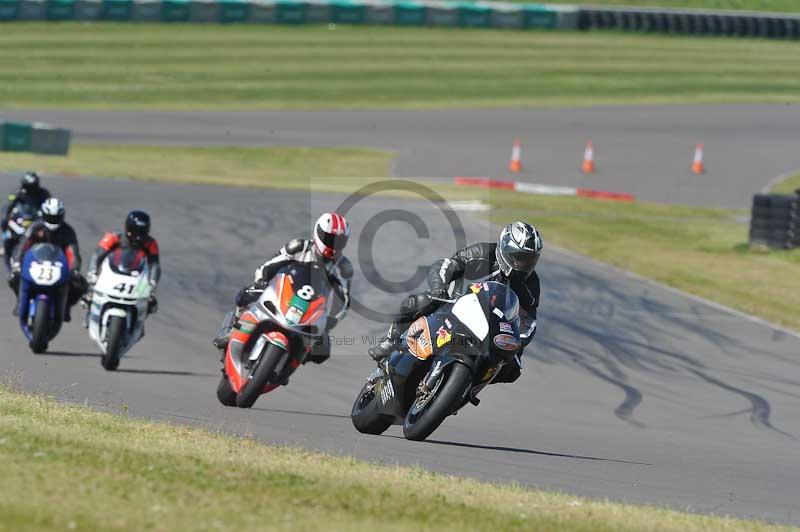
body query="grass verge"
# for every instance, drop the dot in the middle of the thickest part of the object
(788, 185)
(277, 167)
(701, 251)
(69, 468)
(138, 66)
(784, 6)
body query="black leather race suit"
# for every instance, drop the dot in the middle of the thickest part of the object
(35, 200)
(477, 261)
(64, 237)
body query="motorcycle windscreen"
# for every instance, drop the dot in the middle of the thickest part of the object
(297, 297)
(469, 311)
(45, 265)
(487, 299)
(125, 261)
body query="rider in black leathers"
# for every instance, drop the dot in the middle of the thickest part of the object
(513, 259)
(30, 192)
(54, 230)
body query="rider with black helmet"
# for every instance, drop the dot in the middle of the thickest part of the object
(512, 259)
(30, 192)
(136, 236)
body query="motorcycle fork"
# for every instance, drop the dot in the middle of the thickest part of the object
(240, 336)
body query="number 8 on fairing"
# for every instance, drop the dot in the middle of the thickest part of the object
(306, 292)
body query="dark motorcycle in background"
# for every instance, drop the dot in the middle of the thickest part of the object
(444, 361)
(19, 219)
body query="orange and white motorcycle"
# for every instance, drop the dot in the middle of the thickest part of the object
(273, 336)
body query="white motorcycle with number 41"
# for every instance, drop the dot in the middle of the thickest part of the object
(119, 304)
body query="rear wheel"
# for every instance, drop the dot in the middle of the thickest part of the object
(114, 338)
(225, 392)
(429, 410)
(365, 416)
(41, 328)
(265, 367)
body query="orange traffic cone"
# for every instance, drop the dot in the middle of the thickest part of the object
(588, 159)
(697, 165)
(515, 163)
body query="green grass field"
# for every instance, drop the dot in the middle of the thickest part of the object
(70, 65)
(704, 252)
(788, 185)
(69, 468)
(786, 6)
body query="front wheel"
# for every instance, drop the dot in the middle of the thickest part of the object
(265, 366)
(365, 416)
(114, 337)
(225, 392)
(429, 410)
(41, 328)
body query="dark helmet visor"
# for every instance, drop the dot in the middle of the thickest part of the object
(336, 242)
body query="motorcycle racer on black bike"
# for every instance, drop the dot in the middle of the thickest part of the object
(512, 259)
(331, 232)
(30, 193)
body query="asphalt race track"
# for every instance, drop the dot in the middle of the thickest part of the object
(630, 392)
(642, 150)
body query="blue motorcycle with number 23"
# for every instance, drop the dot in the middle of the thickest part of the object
(44, 283)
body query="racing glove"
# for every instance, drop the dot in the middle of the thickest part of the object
(441, 293)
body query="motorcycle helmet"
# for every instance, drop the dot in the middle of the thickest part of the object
(53, 213)
(330, 234)
(518, 249)
(29, 185)
(137, 227)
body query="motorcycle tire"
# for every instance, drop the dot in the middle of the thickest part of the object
(115, 335)
(447, 398)
(251, 391)
(39, 335)
(365, 416)
(225, 392)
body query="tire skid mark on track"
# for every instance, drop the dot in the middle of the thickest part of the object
(760, 409)
(601, 331)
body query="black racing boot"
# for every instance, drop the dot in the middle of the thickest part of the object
(221, 341)
(386, 345)
(382, 350)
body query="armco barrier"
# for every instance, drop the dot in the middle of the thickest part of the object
(36, 137)
(691, 22)
(442, 13)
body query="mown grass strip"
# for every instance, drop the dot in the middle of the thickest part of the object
(110, 65)
(273, 166)
(69, 468)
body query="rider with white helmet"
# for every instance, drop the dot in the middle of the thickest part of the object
(331, 232)
(52, 228)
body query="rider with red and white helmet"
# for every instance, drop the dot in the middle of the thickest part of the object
(329, 239)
